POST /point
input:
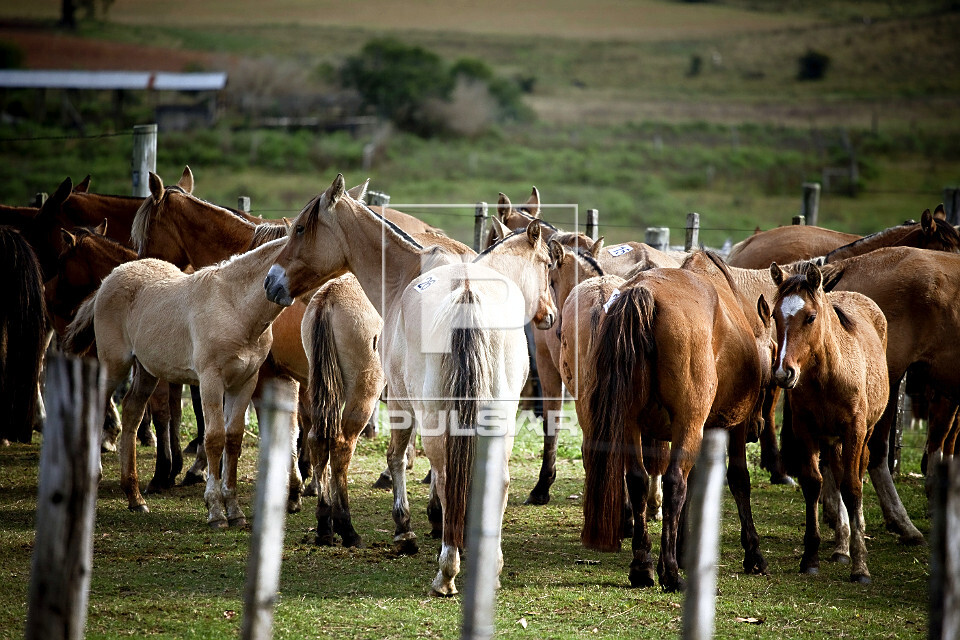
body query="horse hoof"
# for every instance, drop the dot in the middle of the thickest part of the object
(641, 577)
(383, 482)
(436, 534)
(756, 566)
(810, 571)
(673, 587)
(325, 540)
(139, 508)
(538, 499)
(108, 447)
(427, 478)
(157, 487)
(310, 490)
(191, 449)
(447, 593)
(190, 478)
(218, 524)
(406, 546)
(860, 578)
(782, 479)
(294, 506)
(353, 542)
(150, 441)
(911, 539)
(238, 522)
(842, 558)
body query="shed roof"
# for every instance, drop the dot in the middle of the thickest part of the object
(109, 80)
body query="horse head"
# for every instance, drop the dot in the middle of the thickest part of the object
(797, 311)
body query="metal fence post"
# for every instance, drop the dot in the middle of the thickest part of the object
(144, 158)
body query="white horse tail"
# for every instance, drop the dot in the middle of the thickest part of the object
(80, 337)
(465, 376)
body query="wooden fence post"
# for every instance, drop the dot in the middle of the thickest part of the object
(378, 199)
(144, 158)
(811, 202)
(243, 204)
(39, 199)
(945, 553)
(951, 204)
(692, 240)
(703, 543)
(66, 499)
(479, 225)
(798, 220)
(896, 432)
(483, 536)
(658, 238)
(270, 513)
(593, 223)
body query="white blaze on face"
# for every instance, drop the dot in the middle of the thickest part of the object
(790, 306)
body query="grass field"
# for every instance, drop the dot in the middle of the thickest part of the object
(164, 574)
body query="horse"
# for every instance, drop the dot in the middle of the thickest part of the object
(617, 259)
(22, 335)
(800, 242)
(442, 356)
(212, 328)
(88, 258)
(676, 351)
(917, 292)
(831, 356)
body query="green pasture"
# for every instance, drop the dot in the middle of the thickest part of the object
(164, 574)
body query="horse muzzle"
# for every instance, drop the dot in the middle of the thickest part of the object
(786, 377)
(275, 285)
(546, 321)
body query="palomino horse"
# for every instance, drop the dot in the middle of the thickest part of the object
(442, 358)
(87, 259)
(22, 335)
(917, 291)
(831, 356)
(676, 351)
(210, 328)
(618, 260)
(799, 242)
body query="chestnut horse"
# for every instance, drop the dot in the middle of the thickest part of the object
(831, 356)
(210, 328)
(441, 354)
(676, 351)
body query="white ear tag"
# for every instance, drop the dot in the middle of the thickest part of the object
(613, 297)
(619, 250)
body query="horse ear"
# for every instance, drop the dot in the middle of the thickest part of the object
(101, 229)
(814, 277)
(83, 186)
(940, 213)
(763, 310)
(336, 190)
(595, 249)
(776, 273)
(186, 180)
(500, 230)
(533, 203)
(156, 186)
(69, 239)
(927, 223)
(359, 192)
(534, 233)
(286, 221)
(52, 204)
(556, 254)
(503, 206)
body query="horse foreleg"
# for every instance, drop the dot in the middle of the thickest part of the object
(738, 479)
(404, 539)
(193, 446)
(656, 457)
(811, 482)
(236, 402)
(160, 409)
(359, 405)
(552, 388)
(834, 511)
(894, 513)
(851, 490)
(214, 441)
(134, 404)
(770, 457)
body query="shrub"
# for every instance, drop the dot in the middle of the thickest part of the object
(813, 65)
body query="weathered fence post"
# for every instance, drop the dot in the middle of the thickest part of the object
(799, 220)
(692, 240)
(479, 225)
(269, 517)
(66, 499)
(593, 223)
(243, 204)
(144, 158)
(378, 199)
(945, 553)
(896, 432)
(702, 548)
(658, 238)
(951, 204)
(483, 536)
(811, 202)
(39, 199)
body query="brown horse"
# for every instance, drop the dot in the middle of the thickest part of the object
(87, 259)
(676, 351)
(798, 242)
(210, 328)
(831, 355)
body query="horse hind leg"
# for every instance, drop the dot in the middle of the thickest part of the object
(641, 566)
(552, 390)
(404, 539)
(738, 479)
(160, 410)
(134, 404)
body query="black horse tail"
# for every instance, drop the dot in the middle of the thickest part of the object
(326, 382)
(622, 356)
(80, 336)
(24, 327)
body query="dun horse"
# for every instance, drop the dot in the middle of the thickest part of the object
(677, 351)
(831, 356)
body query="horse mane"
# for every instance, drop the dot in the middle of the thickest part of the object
(586, 256)
(84, 233)
(498, 243)
(266, 232)
(797, 284)
(523, 211)
(717, 262)
(140, 228)
(845, 321)
(832, 273)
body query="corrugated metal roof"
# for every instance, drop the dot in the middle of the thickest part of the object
(107, 80)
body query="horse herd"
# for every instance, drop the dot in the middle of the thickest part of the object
(348, 304)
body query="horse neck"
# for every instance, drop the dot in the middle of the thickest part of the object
(91, 209)
(207, 233)
(887, 238)
(517, 267)
(243, 276)
(103, 256)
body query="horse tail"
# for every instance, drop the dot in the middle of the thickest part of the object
(465, 376)
(80, 335)
(326, 381)
(23, 323)
(621, 356)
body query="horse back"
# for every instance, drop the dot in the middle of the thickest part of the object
(786, 244)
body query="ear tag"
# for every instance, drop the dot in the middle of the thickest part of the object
(619, 250)
(613, 297)
(426, 284)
